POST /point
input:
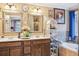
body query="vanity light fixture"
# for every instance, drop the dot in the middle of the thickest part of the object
(39, 10)
(13, 7)
(7, 7)
(36, 10)
(10, 7)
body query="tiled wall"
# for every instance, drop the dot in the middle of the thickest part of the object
(63, 29)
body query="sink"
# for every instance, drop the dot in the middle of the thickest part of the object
(24, 37)
(8, 39)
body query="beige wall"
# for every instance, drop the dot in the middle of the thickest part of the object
(1, 27)
(63, 27)
(24, 18)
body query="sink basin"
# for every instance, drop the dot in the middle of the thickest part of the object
(8, 39)
(24, 37)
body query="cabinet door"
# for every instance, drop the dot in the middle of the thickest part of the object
(62, 51)
(36, 50)
(4, 51)
(16, 51)
(27, 50)
(45, 50)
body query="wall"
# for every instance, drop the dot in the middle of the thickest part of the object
(44, 13)
(64, 28)
(24, 19)
(61, 27)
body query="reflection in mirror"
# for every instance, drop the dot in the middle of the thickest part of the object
(36, 23)
(12, 23)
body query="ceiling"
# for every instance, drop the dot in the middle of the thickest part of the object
(58, 5)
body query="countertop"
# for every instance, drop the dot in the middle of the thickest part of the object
(21, 39)
(71, 46)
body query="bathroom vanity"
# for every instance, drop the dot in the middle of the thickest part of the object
(25, 47)
(13, 24)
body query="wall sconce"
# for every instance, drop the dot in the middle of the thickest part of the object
(10, 7)
(36, 11)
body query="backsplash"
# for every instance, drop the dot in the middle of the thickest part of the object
(58, 35)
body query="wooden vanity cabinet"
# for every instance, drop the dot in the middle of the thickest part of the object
(4, 51)
(16, 51)
(46, 50)
(37, 47)
(40, 47)
(36, 50)
(27, 48)
(10, 48)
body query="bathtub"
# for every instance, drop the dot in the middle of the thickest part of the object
(71, 46)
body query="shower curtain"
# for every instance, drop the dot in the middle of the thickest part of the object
(72, 25)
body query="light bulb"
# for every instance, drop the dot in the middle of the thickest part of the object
(35, 10)
(7, 7)
(39, 11)
(13, 8)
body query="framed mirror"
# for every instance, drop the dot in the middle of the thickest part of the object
(36, 23)
(12, 22)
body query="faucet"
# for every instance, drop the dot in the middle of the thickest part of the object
(2, 36)
(19, 35)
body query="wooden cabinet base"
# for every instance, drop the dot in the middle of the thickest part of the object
(40, 47)
(46, 50)
(16, 51)
(4, 51)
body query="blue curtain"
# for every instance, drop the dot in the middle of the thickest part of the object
(72, 24)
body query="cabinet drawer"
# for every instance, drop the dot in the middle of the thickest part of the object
(5, 44)
(4, 51)
(62, 51)
(41, 41)
(26, 43)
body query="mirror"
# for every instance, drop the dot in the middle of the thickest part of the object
(12, 22)
(36, 23)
